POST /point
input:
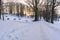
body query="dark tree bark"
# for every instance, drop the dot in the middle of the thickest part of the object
(36, 11)
(10, 8)
(34, 7)
(50, 13)
(53, 6)
(0, 13)
(0, 9)
(46, 14)
(17, 5)
(21, 10)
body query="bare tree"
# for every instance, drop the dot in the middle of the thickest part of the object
(34, 5)
(53, 6)
(10, 7)
(49, 15)
(2, 11)
(21, 9)
(0, 8)
(17, 7)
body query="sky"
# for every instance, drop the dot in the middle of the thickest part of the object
(21, 1)
(13, 1)
(18, 1)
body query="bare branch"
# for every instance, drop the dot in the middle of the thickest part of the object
(29, 3)
(38, 1)
(57, 4)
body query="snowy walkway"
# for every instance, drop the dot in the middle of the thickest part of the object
(13, 30)
(50, 31)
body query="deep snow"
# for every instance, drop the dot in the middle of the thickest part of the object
(28, 30)
(11, 30)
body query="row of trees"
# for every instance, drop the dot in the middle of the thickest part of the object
(47, 9)
(13, 8)
(48, 13)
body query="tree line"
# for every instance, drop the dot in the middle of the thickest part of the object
(48, 13)
(45, 10)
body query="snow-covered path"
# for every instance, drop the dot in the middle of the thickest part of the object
(50, 32)
(11, 30)
(15, 30)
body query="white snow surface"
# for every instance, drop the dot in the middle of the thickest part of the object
(25, 30)
(12, 30)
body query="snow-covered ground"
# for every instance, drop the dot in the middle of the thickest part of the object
(12, 30)
(50, 31)
(10, 17)
(28, 30)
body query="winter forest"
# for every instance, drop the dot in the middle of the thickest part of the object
(29, 19)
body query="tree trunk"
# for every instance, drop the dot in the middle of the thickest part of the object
(21, 10)
(36, 15)
(36, 11)
(17, 10)
(0, 9)
(10, 8)
(52, 16)
(0, 13)
(21, 13)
